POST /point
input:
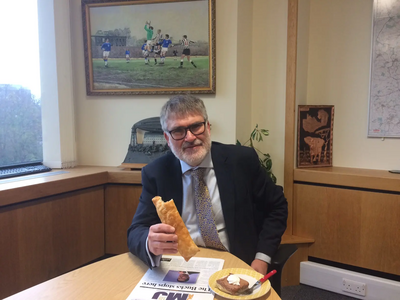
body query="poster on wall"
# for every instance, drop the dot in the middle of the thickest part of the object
(152, 47)
(315, 135)
(384, 98)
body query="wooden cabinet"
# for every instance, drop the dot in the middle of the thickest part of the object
(41, 239)
(121, 201)
(353, 226)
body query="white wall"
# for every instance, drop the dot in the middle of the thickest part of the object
(338, 74)
(244, 69)
(103, 123)
(335, 61)
(269, 77)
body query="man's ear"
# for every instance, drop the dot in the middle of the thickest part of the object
(166, 137)
(208, 126)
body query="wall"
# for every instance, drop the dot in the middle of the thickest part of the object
(269, 77)
(103, 124)
(339, 52)
(335, 70)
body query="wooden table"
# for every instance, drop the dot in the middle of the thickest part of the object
(112, 278)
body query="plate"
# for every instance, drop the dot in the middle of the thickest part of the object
(249, 275)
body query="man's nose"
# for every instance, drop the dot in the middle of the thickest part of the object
(190, 137)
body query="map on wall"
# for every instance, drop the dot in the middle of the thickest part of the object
(384, 100)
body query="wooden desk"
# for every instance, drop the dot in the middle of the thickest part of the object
(112, 278)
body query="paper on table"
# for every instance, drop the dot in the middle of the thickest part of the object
(177, 279)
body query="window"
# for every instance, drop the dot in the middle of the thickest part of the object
(20, 105)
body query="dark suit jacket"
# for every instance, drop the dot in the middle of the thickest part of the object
(254, 208)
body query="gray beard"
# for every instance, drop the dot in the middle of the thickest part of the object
(193, 160)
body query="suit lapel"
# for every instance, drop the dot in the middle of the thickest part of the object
(176, 185)
(224, 172)
(172, 187)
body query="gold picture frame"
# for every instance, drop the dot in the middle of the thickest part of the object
(114, 33)
(314, 135)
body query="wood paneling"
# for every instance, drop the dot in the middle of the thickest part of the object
(360, 178)
(121, 202)
(125, 176)
(353, 227)
(290, 110)
(291, 270)
(41, 239)
(24, 189)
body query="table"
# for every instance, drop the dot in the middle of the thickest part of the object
(112, 278)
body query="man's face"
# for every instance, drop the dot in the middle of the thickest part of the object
(182, 277)
(192, 149)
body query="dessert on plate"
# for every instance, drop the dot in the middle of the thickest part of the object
(232, 284)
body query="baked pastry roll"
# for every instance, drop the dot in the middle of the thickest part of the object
(168, 214)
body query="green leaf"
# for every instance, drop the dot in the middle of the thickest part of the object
(264, 158)
(238, 143)
(253, 134)
(273, 177)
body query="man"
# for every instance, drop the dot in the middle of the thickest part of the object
(166, 43)
(186, 51)
(106, 47)
(249, 210)
(158, 38)
(149, 40)
(145, 53)
(183, 276)
(127, 55)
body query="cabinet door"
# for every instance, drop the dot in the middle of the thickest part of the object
(121, 201)
(44, 238)
(354, 227)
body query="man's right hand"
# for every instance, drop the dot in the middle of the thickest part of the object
(162, 239)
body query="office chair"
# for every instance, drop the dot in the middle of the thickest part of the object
(285, 251)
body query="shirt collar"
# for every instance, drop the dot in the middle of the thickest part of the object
(206, 163)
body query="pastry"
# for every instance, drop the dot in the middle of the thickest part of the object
(168, 214)
(232, 284)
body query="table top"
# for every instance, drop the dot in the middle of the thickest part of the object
(112, 278)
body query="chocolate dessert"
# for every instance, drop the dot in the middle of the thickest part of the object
(232, 284)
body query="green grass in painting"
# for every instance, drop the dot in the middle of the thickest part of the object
(137, 75)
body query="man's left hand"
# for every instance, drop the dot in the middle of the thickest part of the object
(260, 266)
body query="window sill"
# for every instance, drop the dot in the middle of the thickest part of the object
(76, 178)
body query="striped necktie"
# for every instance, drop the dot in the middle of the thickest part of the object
(204, 212)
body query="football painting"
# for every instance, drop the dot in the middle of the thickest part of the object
(149, 47)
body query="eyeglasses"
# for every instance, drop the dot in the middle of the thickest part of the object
(181, 132)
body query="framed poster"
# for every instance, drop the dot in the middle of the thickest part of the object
(384, 98)
(135, 47)
(314, 135)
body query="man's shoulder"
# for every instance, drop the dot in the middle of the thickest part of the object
(163, 163)
(232, 149)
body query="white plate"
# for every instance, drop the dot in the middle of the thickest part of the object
(249, 275)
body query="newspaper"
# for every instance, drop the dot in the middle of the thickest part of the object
(176, 279)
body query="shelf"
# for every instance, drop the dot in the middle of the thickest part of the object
(350, 177)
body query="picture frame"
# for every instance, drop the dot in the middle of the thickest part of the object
(127, 51)
(315, 135)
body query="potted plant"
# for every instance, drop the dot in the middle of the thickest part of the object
(265, 159)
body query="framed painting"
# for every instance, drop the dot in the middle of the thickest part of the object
(314, 135)
(136, 47)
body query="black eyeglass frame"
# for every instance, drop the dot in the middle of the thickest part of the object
(186, 130)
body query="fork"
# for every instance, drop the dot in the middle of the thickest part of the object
(250, 290)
